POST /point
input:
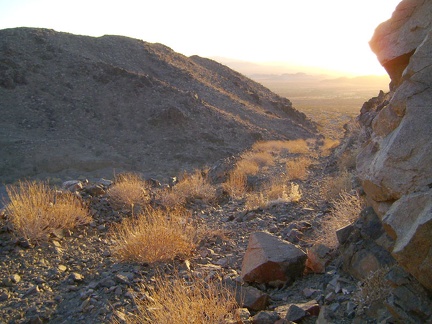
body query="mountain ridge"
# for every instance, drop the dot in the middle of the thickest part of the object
(78, 105)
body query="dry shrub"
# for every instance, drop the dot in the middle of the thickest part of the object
(129, 190)
(191, 186)
(248, 167)
(332, 187)
(274, 192)
(35, 210)
(374, 288)
(328, 146)
(295, 146)
(155, 235)
(345, 211)
(182, 302)
(262, 159)
(297, 168)
(236, 184)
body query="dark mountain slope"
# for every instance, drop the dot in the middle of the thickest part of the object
(76, 105)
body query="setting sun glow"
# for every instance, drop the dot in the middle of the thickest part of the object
(321, 36)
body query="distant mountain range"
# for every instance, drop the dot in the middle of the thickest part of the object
(283, 73)
(76, 105)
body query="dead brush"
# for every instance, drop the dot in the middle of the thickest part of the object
(36, 210)
(129, 191)
(373, 288)
(262, 159)
(236, 184)
(190, 187)
(276, 191)
(299, 146)
(155, 235)
(345, 210)
(180, 301)
(333, 186)
(297, 168)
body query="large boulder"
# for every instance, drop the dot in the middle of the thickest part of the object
(394, 165)
(272, 261)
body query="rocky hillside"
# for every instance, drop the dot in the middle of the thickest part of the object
(75, 105)
(394, 166)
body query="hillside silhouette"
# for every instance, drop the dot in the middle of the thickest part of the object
(76, 105)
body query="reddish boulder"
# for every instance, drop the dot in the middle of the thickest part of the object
(270, 260)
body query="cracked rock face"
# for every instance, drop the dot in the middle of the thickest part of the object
(395, 164)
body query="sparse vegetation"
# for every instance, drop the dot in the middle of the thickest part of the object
(155, 235)
(129, 191)
(299, 146)
(372, 289)
(297, 168)
(345, 210)
(175, 300)
(191, 186)
(262, 159)
(236, 185)
(36, 210)
(272, 193)
(333, 186)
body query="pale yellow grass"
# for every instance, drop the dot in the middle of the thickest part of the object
(128, 191)
(236, 184)
(297, 168)
(36, 210)
(294, 146)
(175, 300)
(276, 191)
(345, 210)
(248, 167)
(191, 186)
(262, 159)
(155, 235)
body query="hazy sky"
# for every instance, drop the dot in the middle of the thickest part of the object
(326, 34)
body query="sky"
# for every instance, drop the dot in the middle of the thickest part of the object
(328, 36)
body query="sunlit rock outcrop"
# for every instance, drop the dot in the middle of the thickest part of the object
(395, 165)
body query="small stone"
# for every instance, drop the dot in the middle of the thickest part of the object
(350, 308)
(32, 291)
(107, 283)
(24, 243)
(56, 243)
(118, 291)
(295, 313)
(15, 278)
(308, 292)
(223, 262)
(330, 297)
(334, 307)
(241, 315)
(4, 296)
(122, 279)
(265, 317)
(74, 276)
(62, 268)
(343, 233)
(101, 227)
(253, 298)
